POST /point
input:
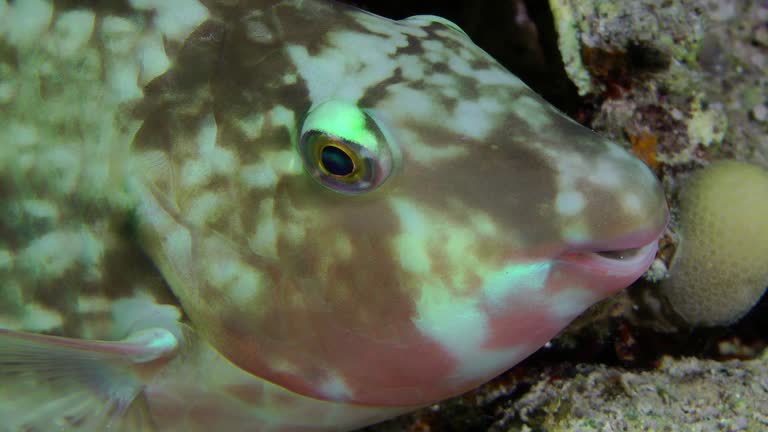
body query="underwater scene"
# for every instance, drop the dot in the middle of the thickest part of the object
(421, 216)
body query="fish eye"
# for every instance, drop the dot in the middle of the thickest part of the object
(337, 161)
(344, 149)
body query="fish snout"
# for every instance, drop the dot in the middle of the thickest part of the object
(613, 239)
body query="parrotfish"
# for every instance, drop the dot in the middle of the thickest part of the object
(284, 215)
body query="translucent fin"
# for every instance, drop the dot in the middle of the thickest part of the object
(132, 314)
(50, 383)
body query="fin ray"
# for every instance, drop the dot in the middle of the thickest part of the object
(62, 384)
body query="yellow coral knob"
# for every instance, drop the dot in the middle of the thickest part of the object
(720, 269)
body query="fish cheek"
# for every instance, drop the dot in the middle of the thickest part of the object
(341, 282)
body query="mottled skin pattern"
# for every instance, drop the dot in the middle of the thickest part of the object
(154, 153)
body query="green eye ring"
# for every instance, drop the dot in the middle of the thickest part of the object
(344, 149)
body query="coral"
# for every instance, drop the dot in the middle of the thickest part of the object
(720, 269)
(703, 395)
(608, 42)
(691, 72)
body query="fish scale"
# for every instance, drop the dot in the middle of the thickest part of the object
(168, 187)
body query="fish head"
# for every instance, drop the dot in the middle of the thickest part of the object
(375, 211)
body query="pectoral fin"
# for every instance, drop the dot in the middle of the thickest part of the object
(50, 383)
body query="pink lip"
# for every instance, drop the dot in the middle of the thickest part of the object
(625, 262)
(611, 266)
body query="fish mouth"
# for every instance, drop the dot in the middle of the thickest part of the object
(624, 260)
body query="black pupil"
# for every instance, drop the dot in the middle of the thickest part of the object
(336, 161)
